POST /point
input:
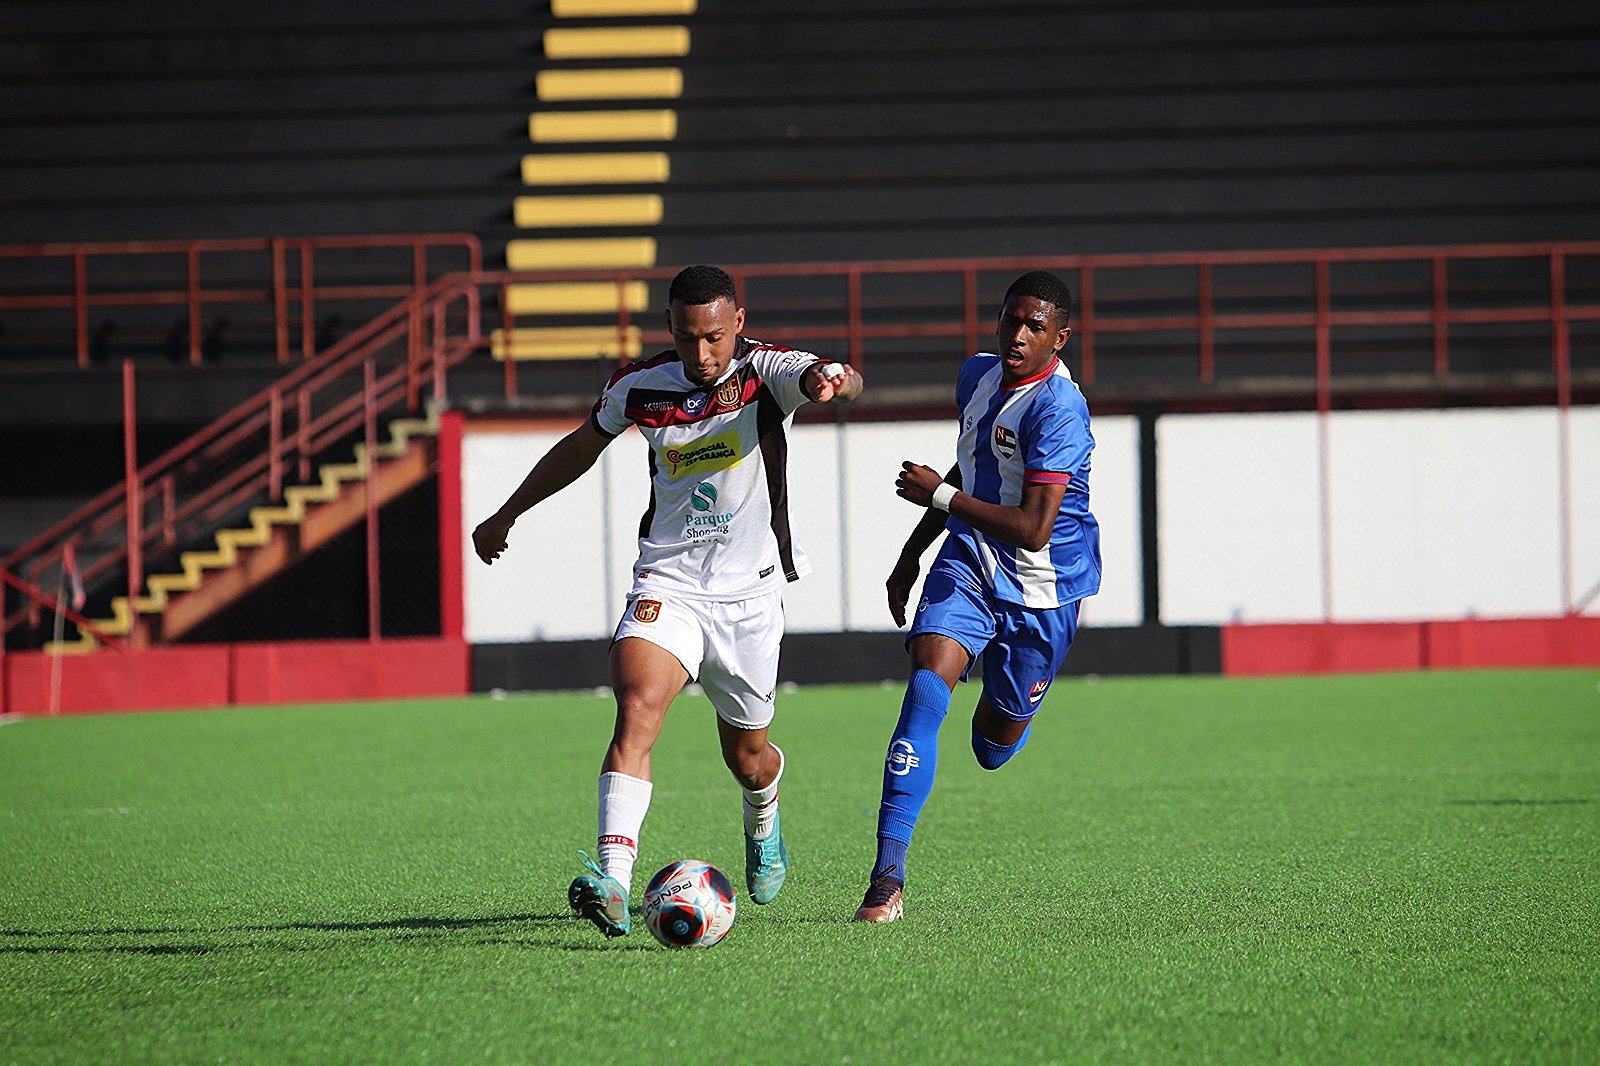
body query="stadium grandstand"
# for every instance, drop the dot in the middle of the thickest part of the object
(291, 294)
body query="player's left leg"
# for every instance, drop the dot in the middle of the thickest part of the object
(757, 764)
(740, 677)
(1018, 668)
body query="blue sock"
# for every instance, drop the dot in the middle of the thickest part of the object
(908, 769)
(992, 756)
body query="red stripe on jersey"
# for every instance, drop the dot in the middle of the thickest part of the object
(1046, 477)
(1040, 376)
(641, 364)
(622, 372)
(657, 409)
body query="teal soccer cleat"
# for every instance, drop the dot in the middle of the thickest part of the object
(600, 899)
(766, 864)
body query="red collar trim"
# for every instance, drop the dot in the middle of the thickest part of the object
(1041, 375)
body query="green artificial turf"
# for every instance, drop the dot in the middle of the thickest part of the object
(1351, 869)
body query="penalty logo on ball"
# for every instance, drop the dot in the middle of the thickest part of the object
(689, 904)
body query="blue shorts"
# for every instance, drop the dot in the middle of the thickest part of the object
(1022, 647)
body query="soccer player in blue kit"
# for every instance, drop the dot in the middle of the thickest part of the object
(1022, 551)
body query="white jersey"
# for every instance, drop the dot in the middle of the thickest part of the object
(719, 522)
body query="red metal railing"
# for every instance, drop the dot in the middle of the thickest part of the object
(178, 274)
(281, 434)
(1187, 308)
(387, 367)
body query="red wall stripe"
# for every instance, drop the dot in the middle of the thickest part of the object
(219, 675)
(1350, 647)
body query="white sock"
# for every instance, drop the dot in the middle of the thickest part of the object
(761, 805)
(623, 802)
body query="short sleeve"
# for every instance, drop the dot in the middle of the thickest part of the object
(967, 380)
(1058, 443)
(609, 413)
(782, 370)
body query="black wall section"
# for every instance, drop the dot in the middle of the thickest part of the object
(894, 130)
(821, 130)
(133, 119)
(829, 658)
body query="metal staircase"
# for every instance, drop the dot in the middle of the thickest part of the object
(261, 487)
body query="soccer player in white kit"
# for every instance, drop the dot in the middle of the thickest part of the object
(715, 551)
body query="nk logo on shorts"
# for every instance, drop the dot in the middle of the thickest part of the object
(1036, 693)
(902, 758)
(646, 610)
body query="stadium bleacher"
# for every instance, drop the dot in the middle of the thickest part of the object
(581, 136)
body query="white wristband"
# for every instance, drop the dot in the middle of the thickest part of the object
(943, 495)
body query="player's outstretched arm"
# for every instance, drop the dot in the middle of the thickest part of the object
(1027, 525)
(832, 382)
(563, 464)
(903, 578)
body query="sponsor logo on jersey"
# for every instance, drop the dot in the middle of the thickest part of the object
(695, 402)
(1036, 693)
(768, 571)
(703, 457)
(902, 758)
(708, 523)
(1005, 441)
(646, 610)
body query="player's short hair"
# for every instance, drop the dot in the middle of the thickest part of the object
(1043, 285)
(701, 284)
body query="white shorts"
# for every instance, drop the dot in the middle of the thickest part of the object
(731, 648)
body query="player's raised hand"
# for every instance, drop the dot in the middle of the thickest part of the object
(489, 539)
(916, 483)
(901, 581)
(827, 382)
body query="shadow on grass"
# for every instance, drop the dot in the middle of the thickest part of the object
(550, 930)
(1519, 803)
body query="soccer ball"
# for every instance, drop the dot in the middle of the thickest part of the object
(689, 904)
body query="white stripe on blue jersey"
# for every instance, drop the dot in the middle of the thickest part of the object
(1034, 431)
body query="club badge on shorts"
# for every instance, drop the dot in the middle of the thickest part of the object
(646, 610)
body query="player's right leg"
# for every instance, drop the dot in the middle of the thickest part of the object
(952, 625)
(645, 677)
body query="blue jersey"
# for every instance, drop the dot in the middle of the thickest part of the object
(1036, 430)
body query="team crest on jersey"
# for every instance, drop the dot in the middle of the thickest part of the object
(1036, 693)
(729, 392)
(1005, 441)
(646, 610)
(705, 456)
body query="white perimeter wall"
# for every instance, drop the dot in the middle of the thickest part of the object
(1434, 515)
